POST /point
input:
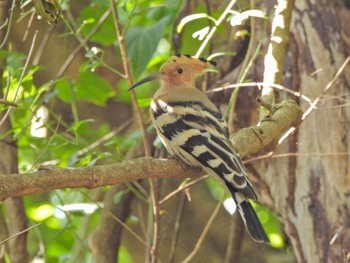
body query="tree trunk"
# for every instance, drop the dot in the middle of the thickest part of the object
(15, 219)
(310, 187)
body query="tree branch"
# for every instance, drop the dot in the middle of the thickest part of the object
(276, 53)
(266, 136)
(50, 178)
(249, 140)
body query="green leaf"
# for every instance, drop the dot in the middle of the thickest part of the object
(124, 255)
(142, 42)
(144, 102)
(89, 17)
(196, 25)
(86, 160)
(193, 17)
(77, 125)
(118, 197)
(64, 90)
(41, 212)
(93, 88)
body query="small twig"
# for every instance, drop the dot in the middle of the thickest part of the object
(5, 102)
(235, 240)
(8, 85)
(265, 104)
(316, 101)
(82, 44)
(145, 140)
(205, 231)
(230, 106)
(180, 189)
(244, 69)
(128, 77)
(177, 227)
(94, 144)
(106, 137)
(287, 155)
(42, 45)
(19, 233)
(9, 23)
(4, 24)
(132, 232)
(260, 84)
(213, 29)
(46, 146)
(336, 235)
(328, 86)
(26, 64)
(30, 22)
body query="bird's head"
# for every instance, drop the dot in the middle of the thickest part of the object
(179, 71)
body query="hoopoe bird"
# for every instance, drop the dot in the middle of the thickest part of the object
(193, 129)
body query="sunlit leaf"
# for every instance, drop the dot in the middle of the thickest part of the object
(124, 255)
(263, 216)
(221, 54)
(276, 240)
(53, 223)
(42, 212)
(85, 160)
(144, 102)
(241, 33)
(238, 18)
(200, 34)
(184, 182)
(91, 65)
(190, 18)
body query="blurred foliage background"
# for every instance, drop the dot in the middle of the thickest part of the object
(73, 109)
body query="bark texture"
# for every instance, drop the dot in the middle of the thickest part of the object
(106, 238)
(310, 188)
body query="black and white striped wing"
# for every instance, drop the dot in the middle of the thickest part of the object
(198, 136)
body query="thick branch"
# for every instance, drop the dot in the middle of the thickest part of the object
(253, 139)
(51, 178)
(250, 140)
(276, 53)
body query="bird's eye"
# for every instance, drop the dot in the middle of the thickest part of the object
(180, 70)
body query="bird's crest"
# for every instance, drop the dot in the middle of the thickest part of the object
(179, 70)
(197, 63)
(202, 59)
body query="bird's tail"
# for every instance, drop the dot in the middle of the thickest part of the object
(250, 218)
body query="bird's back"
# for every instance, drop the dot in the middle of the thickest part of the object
(193, 129)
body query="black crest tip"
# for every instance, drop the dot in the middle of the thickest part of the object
(213, 63)
(203, 60)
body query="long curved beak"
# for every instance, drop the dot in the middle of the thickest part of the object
(147, 79)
